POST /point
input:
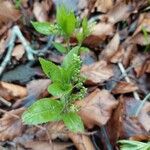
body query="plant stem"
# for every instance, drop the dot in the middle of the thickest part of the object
(142, 104)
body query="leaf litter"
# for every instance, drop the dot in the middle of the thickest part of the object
(120, 35)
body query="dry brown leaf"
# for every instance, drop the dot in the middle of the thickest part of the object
(111, 48)
(99, 33)
(140, 39)
(124, 87)
(39, 12)
(96, 109)
(119, 12)
(103, 5)
(10, 126)
(138, 63)
(9, 13)
(12, 91)
(39, 145)
(144, 116)
(81, 142)
(98, 72)
(18, 52)
(121, 125)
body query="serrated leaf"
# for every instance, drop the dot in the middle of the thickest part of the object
(58, 89)
(73, 122)
(42, 111)
(45, 28)
(60, 47)
(66, 20)
(51, 70)
(133, 145)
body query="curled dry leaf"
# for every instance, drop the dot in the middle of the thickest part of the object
(99, 33)
(124, 87)
(18, 52)
(82, 142)
(11, 126)
(98, 72)
(121, 125)
(96, 109)
(12, 91)
(110, 52)
(39, 145)
(139, 64)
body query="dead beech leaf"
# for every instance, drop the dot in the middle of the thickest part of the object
(18, 52)
(144, 116)
(39, 12)
(82, 142)
(124, 87)
(138, 63)
(121, 125)
(11, 127)
(39, 145)
(119, 12)
(99, 33)
(9, 13)
(103, 5)
(98, 72)
(96, 109)
(111, 48)
(12, 91)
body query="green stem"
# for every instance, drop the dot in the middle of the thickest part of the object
(142, 104)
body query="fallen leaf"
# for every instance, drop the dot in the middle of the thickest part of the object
(97, 72)
(119, 12)
(103, 6)
(99, 32)
(38, 145)
(10, 126)
(12, 91)
(96, 109)
(112, 48)
(39, 12)
(122, 125)
(82, 142)
(144, 116)
(124, 87)
(18, 52)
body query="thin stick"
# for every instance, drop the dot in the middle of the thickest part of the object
(5, 102)
(142, 104)
(123, 71)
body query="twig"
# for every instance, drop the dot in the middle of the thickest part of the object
(5, 102)
(123, 71)
(142, 104)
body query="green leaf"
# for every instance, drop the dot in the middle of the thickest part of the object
(51, 70)
(73, 122)
(58, 89)
(68, 60)
(42, 111)
(66, 20)
(60, 47)
(46, 28)
(133, 145)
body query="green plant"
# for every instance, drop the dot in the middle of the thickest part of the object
(17, 3)
(133, 145)
(67, 25)
(67, 87)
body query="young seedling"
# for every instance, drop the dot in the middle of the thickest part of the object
(67, 25)
(67, 87)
